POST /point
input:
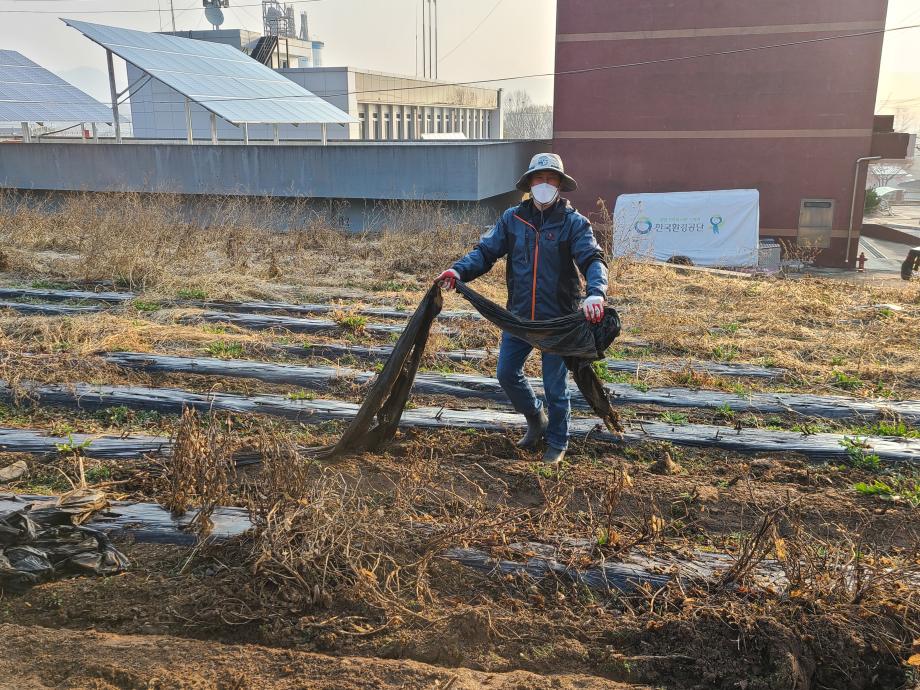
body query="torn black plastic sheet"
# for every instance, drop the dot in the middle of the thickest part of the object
(225, 305)
(472, 386)
(66, 295)
(99, 446)
(572, 337)
(627, 366)
(29, 309)
(144, 522)
(42, 541)
(818, 447)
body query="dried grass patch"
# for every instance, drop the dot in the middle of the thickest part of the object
(150, 243)
(818, 328)
(811, 326)
(88, 334)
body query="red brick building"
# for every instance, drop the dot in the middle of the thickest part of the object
(789, 121)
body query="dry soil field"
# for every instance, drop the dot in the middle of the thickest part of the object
(755, 527)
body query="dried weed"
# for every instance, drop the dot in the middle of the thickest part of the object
(200, 470)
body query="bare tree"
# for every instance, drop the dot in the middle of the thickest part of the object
(886, 172)
(906, 120)
(524, 119)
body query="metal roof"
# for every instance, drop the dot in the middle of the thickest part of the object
(30, 93)
(219, 77)
(885, 191)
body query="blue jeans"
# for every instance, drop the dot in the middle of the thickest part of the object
(511, 357)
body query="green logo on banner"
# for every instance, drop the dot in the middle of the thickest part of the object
(643, 226)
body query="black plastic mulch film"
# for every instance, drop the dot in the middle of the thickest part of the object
(579, 342)
(44, 542)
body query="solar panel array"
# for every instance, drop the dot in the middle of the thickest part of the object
(30, 93)
(219, 77)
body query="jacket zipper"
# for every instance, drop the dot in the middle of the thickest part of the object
(536, 263)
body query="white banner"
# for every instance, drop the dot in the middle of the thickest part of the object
(720, 228)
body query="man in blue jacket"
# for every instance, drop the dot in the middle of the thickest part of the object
(547, 244)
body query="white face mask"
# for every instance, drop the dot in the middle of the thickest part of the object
(544, 193)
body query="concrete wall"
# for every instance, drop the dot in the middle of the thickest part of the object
(883, 232)
(788, 121)
(449, 171)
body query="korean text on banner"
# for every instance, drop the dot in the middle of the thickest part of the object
(719, 228)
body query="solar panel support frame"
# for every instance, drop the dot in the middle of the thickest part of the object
(115, 119)
(189, 132)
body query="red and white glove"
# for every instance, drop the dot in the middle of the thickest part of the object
(593, 308)
(448, 279)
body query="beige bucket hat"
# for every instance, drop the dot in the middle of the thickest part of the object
(547, 161)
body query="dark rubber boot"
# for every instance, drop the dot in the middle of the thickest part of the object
(553, 456)
(536, 425)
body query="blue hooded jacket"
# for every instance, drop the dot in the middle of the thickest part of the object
(546, 250)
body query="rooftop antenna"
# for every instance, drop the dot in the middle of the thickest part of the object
(214, 13)
(291, 25)
(278, 19)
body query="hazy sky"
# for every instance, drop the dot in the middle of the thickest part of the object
(899, 85)
(516, 38)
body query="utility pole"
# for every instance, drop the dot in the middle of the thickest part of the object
(435, 49)
(430, 39)
(172, 11)
(424, 40)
